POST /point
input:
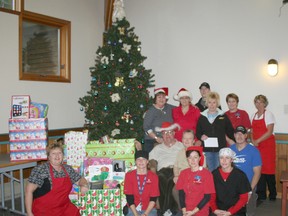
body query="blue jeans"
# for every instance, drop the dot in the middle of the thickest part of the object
(153, 212)
(212, 160)
(149, 144)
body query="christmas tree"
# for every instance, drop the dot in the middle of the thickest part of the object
(119, 93)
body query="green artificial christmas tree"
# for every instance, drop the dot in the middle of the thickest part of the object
(119, 95)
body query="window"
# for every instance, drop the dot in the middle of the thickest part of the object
(10, 6)
(44, 48)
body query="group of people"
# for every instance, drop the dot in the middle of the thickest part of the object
(183, 141)
(196, 161)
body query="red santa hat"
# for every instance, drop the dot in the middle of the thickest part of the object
(198, 149)
(182, 93)
(163, 90)
(167, 126)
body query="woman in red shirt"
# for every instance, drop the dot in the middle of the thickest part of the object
(186, 114)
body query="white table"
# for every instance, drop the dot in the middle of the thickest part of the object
(6, 169)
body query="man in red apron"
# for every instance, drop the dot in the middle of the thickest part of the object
(264, 140)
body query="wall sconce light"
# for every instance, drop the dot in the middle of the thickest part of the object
(272, 67)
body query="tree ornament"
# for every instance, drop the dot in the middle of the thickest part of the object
(115, 132)
(126, 116)
(115, 97)
(119, 81)
(126, 47)
(141, 106)
(131, 122)
(120, 41)
(120, 60)
(105, 60)
(81, 109)
(133, 73)
(109, 85)
(117, 123)
(118, 11)
(111, 56)
(121, 30)
(105, 108)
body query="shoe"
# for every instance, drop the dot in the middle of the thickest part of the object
(259, 202)
(272, 199)
(261, 199)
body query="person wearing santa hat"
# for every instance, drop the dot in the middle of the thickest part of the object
(195, 184)
(158, 113)
(186, 114)
(162, 159)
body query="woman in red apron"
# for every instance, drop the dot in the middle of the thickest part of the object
(49, 185)
(262, 137)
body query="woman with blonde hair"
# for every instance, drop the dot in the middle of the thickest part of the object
(214, 129)
(262, 134)
(49, 185)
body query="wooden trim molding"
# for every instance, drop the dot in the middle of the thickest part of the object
(108, 13)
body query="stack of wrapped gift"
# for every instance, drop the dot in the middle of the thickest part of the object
(121, 149)
(28, 139)
(106, 165)
(74, 154)
(28, 129)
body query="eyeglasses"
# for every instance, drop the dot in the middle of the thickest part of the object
(167, 132)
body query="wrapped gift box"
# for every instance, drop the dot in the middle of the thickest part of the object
(28, 139)
(121, 149)
(75, 146)
(101, 202)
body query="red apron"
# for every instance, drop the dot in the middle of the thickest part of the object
(56, 202)
(267, 147)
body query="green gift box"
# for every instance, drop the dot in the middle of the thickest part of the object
(121, 149)
(101, 202)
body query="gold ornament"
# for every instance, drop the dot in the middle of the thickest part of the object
(126, 116)
(119, 81)
(121, 30)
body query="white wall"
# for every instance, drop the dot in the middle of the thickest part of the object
(226, 43)
(87, 21)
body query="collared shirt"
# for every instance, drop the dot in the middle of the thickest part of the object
(165, 155)
(41, 172)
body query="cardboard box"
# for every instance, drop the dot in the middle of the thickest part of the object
(28, 139)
